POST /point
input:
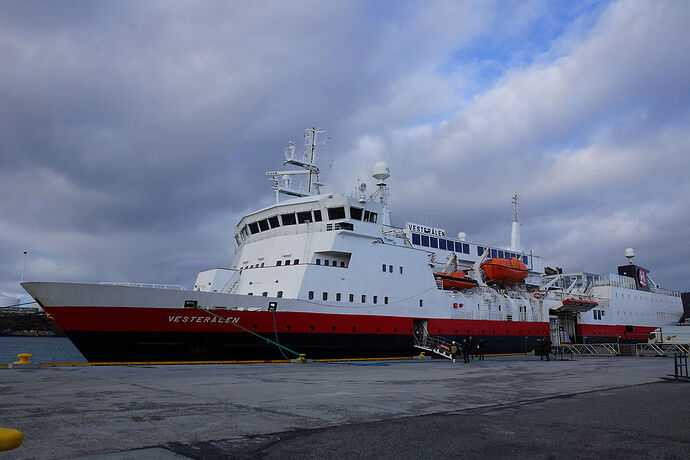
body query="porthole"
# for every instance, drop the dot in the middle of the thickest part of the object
(288, 327)
(311, 328)
(395, 329)
(354, 328)
(333, 329)
(378, 329)
(254, 327)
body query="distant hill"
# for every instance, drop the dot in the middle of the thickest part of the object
(28, 325)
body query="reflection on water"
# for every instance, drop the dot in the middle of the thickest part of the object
(44, 349)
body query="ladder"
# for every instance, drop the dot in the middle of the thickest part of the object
(435, 344)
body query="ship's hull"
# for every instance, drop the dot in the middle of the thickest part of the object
(126, 324)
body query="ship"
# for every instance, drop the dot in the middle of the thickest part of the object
(324, 275)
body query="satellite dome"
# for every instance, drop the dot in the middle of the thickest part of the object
(629, 253)
(381, 171)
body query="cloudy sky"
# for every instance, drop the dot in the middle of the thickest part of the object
(134, 135)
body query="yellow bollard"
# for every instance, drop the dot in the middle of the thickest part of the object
(23, 358)
(24, 362)
(10, 438)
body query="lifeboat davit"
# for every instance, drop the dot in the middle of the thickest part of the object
(505, 270)
(455, 280)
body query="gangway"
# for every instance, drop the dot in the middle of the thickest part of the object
(588, 349)
(661, 349)
(435, 344)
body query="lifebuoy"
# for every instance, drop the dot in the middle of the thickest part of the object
(537, 295)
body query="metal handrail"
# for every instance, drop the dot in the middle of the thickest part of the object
(661, 349)
(176, 287)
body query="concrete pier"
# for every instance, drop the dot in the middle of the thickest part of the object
(517, 406)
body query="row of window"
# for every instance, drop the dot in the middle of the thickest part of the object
(279, 263)
(460, 247)
(597, 314)
(351, 297)
(304, 217)
(390, 269)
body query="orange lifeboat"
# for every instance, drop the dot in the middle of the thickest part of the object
(506, 270)
(455, 280)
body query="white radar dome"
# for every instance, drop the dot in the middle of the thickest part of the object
(462, 236)
(381, 171)
(629, 253)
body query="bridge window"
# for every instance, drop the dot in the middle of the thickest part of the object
(480, 250)
(370, 217)
(287, 262)
(494, 253)
(263, 225)
(415, 238)
(254, 228)
(342, 264)
(279, 263)
(280, 294)
(336, 213)
(311, 295)
(288, 219)
(273, 222)
(304, 217)
(425, 240)
(465, 248)
(317, 215)
(355, 213)
(524, 259)
(265, 293)
(295, 262)
(318, 261)
(442, 244)
(500, 255)
(434, 242)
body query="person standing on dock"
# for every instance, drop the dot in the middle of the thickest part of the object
(480, 348)
(472, 347)
(466, 350)
(453, 350)
(546, 346)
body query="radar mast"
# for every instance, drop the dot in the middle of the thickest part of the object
(287, 181)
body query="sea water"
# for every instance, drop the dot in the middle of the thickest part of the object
(43, 349)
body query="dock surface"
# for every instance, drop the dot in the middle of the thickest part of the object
(503, 406)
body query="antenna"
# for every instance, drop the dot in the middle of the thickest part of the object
(514, 200)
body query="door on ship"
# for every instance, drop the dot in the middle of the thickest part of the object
(421, 330)
(563, 328)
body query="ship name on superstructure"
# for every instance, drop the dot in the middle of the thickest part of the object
(426, 230)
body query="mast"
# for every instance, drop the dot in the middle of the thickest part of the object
(515, 230)
(286, 181)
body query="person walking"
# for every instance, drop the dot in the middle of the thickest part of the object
(546, 344)
(480, 348)
(453, 350)
(540, 349)
(466, 350)
(472, 347)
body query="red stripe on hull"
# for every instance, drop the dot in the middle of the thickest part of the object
(123, 319)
